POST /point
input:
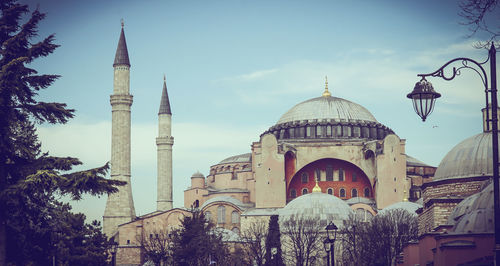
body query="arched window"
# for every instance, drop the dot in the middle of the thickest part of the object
(354, 177)
(196, 204)
(221, 214)
(235, 217)
(304, 191)
(318, 174)
(354, 192)
(342, 193)
(305, 178)
(236, 230)
(329, 173)
(293, 193)
(367, 192)
(208, 215)
(330, 191)
(341, 174)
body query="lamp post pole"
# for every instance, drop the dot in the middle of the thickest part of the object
(423, 96)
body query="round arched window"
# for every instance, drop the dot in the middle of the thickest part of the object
(304, 191)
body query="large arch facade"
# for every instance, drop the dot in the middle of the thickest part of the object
(337, 177)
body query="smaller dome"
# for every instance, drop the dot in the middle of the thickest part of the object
(198, 175)
(241, 158)
(475, 214)
(469, 158)
(318, 206)
(408, 206)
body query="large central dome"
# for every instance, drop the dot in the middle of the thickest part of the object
(327, 107)
(328, 117)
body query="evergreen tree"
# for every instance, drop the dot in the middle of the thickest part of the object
(29, 179)
(197, 242)
(273, 243)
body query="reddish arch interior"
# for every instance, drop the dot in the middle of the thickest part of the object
(360, 184)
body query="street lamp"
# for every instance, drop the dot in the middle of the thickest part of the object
(113, 249)
(329, 242)
(424, 96)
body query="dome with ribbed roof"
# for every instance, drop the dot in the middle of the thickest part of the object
(328, 117)
(408, 206)
(469, 158)
(318, 206)
(475, 214)
(330, 108)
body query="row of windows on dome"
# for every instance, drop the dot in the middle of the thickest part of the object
(331, 191)
(330, 175)
(329, 131)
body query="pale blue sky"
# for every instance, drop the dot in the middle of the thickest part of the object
(234, 67)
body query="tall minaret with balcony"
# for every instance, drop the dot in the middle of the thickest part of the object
(120, 205)
(164, 143)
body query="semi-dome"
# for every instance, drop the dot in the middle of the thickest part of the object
(328, 117)
(318, 206)
(475, 214)
(330, 108)
(469, 158)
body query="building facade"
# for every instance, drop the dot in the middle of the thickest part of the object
(325, 144)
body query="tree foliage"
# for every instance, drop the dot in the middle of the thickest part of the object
(157, 246)
(254, 238)
(304, 243)
(273, 243)
(481, 16)
(197, 242)
(392, 230)
(30, 179)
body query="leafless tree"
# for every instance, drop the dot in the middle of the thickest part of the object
(157, 246)
(254, 238)
(379, 241)
(303, 242)
(481, 15)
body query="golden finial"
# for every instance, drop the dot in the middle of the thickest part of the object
(316, 187)
(326, 93)
(405, 198)
(122, 22)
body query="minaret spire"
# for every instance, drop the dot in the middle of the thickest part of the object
(120, 206)
(121, 56)
(164, 103)
(164, 143)
(326, 93)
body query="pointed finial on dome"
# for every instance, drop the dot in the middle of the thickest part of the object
(122, 22)
(326, 93)
(316, 187)
(164, 78)
(405, 198)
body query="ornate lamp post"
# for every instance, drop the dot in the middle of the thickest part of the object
(329, 243)
(424, 96)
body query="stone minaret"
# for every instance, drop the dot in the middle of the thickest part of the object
(164, 143)
(120, 205)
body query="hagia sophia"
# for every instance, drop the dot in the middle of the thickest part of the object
(326, 157)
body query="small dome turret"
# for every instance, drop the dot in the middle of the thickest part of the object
(197, 180)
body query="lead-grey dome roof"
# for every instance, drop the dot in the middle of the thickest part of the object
(469, 158)
(475, 214)
(329, 107)
(241, 158)
(319, 206)
(408, 206)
